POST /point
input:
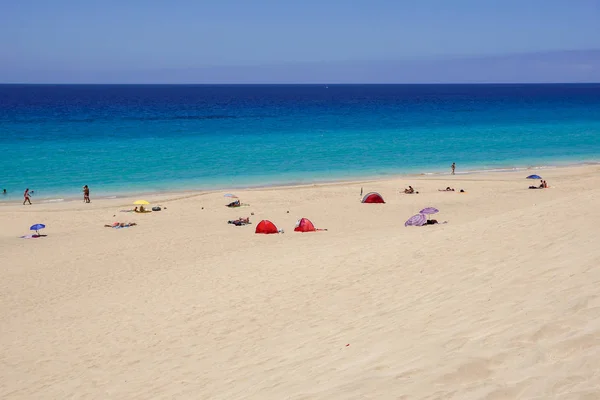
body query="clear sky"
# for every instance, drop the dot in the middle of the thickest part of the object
(157, 40)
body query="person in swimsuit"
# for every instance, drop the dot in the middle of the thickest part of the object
(86, 194)
(26, 195)
(453, 166)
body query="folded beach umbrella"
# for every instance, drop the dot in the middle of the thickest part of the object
(429, 210)
(37, 227)
(534, 177)
(141, 202)
(416, 220)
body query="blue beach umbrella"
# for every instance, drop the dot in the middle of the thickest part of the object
(534, 177)
(37, 227)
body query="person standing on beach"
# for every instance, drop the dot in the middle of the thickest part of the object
(26, 195)
(86, 194)
(453, 167)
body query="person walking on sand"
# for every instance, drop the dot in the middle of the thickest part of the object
(453, 166)
(86, 194)
(26, 195)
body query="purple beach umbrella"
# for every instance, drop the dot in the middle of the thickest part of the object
(429, 210)
(416, 220)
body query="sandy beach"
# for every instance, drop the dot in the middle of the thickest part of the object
(502, 302)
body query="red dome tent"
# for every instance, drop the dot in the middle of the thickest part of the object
(372, 197)
(304, 225)
(266, 227)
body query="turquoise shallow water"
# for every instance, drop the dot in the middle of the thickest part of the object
(118, 139)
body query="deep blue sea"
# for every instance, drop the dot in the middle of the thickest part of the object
(144, 138)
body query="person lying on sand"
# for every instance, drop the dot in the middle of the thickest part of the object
(240, 221)
(435, 221)
(448, 189)
(410, 190)
(120, 225)
(234, 204)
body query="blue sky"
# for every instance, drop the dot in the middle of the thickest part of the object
(268, 40)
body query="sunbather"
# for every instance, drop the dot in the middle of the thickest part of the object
(448, 189)
(543, 185)
(434, 222)
(240, 221)
(120, 225)
(234, 204)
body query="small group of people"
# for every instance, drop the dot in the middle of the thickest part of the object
(449, 189)
(411, 190)
(27, 195)
(543, 185)
(141, 209)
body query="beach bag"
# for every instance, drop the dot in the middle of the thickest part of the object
(156, 208)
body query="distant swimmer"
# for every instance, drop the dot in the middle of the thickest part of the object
(27, 197)
(3, 191)
(453, 168)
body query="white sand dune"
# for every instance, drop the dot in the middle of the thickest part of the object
(500, 303)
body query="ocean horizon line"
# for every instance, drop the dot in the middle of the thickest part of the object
(302, 84)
